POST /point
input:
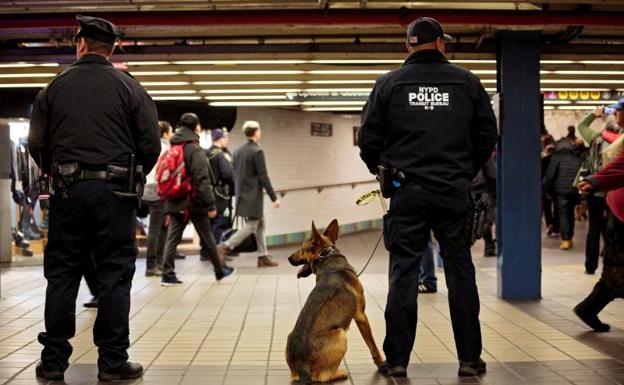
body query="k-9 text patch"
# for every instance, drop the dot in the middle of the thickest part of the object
(429, 98)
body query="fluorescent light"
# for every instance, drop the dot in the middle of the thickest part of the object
(357, 61)
(340, 82)
(147, 63)
(26, 65)
(581, 81)
(575, 108)
(33, 75)
(470, 61)
(249, 83)
(334, 103)
(484, 72)
(174, 97)
(596, 102)
(249, 91)
(154, 73)
(557, 61)
(338, 90)
(237, 62)
(23, 85)
(612, 62)
(359, 109)
(549, 107)
(165, 92)
(245, 72)
(557, 102)
(245, 97)
(575, 89)
(575, 72)
(488, 81)
(147, 84)
(254, 104)
(347, 72)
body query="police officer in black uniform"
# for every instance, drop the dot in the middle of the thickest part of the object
(92, 129)
(431, 126)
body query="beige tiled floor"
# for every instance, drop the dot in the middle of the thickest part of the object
(234, 332)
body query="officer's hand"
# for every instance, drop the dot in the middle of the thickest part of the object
(599, 111)
(585, 187)
(212, 214)
(277, 204)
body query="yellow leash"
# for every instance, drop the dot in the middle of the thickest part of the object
(363, 201)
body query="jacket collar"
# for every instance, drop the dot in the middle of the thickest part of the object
(426, 56)
(93, 58)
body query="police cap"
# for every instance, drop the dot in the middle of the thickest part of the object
(425, 30)
(97, 29)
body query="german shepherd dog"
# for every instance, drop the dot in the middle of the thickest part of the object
(318, 342)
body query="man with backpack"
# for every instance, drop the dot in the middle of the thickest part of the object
(220, 162)
(185, 182)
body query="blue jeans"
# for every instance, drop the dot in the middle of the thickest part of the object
(427, 268)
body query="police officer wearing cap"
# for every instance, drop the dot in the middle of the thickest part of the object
(93, 129)
(431, 127)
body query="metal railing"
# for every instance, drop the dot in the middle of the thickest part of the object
(319, 189)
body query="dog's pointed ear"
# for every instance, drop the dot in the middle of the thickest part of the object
(315, 233)
(332, 230)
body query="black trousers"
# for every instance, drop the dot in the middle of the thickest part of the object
(415, 211)
(597, 208)
(201, 222)
(88, 219)
(90, 276)
(157, 235)
(565, 206)
(551, 214)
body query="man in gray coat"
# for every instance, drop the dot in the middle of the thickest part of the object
(251, 178)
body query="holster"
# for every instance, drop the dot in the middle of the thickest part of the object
(387, 176)
(481, 214)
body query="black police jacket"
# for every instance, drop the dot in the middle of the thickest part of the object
(94, 114)
(430, 119)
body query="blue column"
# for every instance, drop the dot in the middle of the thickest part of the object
(519, 171)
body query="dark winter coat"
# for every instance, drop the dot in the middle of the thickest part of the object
(203, 199)
(564, 165)
(250, 178)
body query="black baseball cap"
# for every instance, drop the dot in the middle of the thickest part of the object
(425, 30)
(97, 29)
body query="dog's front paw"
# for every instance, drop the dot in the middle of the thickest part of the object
(382, 368)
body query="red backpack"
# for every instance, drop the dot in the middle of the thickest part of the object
(173, 182)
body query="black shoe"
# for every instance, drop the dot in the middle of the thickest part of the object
(179, 256)
(471, 368)
(424, 288)
(489, 252)
(93, 304)
(170, 280)
(129, 371)
(227, 271)
(591, 320)
(396, 371)
(590, 272)
(50, 375)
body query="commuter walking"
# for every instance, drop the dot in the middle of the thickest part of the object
(559, 178)
(91, 128)
(551, 214)
(431, 126)
(611, 283)
(220, 163)
(157, 234)
(198, 207)
(251, 177)
(596, 205)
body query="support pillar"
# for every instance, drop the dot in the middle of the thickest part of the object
(519, 170)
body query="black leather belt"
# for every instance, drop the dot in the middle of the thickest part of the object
(93, 175)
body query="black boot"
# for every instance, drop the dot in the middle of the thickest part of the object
(50, 375)
(588, 310)
(471, 368)
(128, 371)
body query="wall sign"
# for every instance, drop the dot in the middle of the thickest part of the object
(321, 129)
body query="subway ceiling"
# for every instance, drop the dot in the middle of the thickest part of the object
(311, 54)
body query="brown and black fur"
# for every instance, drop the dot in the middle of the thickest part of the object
(318, 343)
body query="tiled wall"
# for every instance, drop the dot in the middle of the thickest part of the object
(557, 121)
(297, 159)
